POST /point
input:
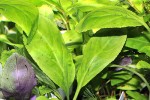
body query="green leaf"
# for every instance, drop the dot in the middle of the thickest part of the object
(141, 43)
(36, 2)
(42, 98)
(4, 39)
(72, 39)
(142, 64)
(50, 53)
(4, 55)
(47, 11)
(97, 54)
(43, 90)
(19, 11)
(119, 77)
(132, 84)
(109, 17)
(42, 77)
(89, 5)
(137, 5)
(144, 68)
(136, 95)
(66, 3)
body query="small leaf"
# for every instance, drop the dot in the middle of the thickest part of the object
(43, 90)
(4, 56)
(4, 39)
(142, 64)
(136, 95)
(120, 77)
(141, 43)
(109, 17)
(132, 84)
(72, 37)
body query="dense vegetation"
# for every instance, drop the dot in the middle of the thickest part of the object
(79, 49)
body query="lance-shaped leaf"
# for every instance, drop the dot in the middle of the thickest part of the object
(97, 54)
(19, 11)
(110, 17)
(18, 77)
(50, 53)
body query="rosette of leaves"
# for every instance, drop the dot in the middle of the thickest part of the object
(18, 78)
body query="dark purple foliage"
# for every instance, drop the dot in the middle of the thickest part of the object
(125, 61)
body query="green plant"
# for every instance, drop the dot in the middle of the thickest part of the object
(76, 45)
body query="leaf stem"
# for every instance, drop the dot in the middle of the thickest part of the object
(77, 92)
(135, 72)
(147, 27)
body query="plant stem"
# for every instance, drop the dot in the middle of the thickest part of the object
(68, 98)
(77, 92)
(135, 72)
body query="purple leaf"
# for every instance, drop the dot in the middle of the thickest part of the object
(18, 77)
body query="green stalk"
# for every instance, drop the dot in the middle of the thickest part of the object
(136, 73)
(147, 27)
(77, 92)
(68, 98)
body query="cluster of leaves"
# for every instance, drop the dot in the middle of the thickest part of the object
(75, 46)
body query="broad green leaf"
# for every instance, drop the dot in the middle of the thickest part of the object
(119, 77)
(45, 11)
(141, 43)
(19, 11)
(136, 95)
(50, 53)
(109, 17)
(97, 54)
